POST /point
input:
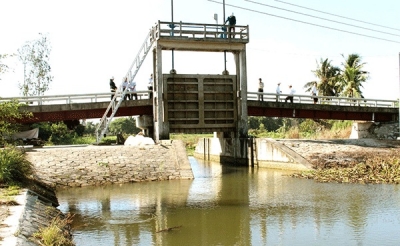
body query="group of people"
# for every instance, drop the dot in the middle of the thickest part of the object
(291, 92)
(278, 91)
(130, 87)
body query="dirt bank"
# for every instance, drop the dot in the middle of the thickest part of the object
(343, 152)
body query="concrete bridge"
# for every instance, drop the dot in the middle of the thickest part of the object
(92, 106)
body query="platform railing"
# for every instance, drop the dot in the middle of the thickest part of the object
(203, 31)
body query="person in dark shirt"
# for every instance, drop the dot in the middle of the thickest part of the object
(113, 87)
(231, 28)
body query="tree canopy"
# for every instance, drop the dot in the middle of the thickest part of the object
(35, 57)
(334, 81)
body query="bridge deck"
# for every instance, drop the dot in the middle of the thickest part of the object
(90, 106)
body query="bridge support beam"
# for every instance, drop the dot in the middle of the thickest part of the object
(241, 71)
(161, 127)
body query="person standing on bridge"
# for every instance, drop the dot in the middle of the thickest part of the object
(113, 87)
(278, 91)
(231, 28)
(291, 92)
(150, 86)
(124, 85)
(314, 92)
(132, 89)
(260, 89)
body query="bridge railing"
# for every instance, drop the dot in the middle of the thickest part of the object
(196, 30)
(70, 99)
(324, 100)
(268, 97)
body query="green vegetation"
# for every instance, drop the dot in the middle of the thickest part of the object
(344, 82)
(7, 195)
(375, 170)
(35, 56)
(190, 140)
(299, 128)
(56, 234)
(10, 111)
(13, 166)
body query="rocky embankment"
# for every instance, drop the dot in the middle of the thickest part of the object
(350, 161)
(343, 152)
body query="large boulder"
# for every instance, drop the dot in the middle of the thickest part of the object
(138, 140)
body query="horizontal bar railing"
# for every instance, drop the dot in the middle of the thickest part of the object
(253, 96)
(73, 98)
(328, 100)
(196, 30)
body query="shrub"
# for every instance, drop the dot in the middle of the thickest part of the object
(13, 166)
(56, 233)
(60, 134)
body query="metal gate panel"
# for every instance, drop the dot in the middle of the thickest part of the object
(199, 103)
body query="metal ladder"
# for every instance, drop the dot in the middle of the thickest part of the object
(114, 104)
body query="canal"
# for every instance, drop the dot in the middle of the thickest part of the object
(234, 206)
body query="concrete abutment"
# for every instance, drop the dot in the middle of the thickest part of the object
(260, 152)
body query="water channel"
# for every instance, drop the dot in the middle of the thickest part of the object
(234, 206)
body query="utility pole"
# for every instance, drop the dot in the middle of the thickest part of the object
(398, 138)
(225, 32)
(172, 34)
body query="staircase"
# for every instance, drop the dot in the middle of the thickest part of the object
(114, 104)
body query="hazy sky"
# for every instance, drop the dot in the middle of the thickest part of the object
(94, 40)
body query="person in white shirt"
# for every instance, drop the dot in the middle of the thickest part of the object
(124, 85)
(278, 91)
(132, 88)
(260, 89)
(291, 92)
(314, 92)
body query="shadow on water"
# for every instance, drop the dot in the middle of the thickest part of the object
(234, 206)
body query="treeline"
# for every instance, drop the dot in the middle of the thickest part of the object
(272, 127)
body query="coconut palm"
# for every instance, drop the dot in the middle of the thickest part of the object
(327, 76)
(352, 77)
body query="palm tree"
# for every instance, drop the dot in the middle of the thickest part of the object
(352, 77)
(327, 75)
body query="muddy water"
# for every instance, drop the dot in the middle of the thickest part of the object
(234, 206)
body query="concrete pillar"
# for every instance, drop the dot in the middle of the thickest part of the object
(161, 128)
(360, 130)
(242, 100)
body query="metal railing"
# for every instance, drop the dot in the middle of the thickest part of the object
(73, 98)
(324, 100)
(196, 30)
(144, 95)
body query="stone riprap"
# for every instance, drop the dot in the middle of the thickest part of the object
(98, 165)
(33, 212)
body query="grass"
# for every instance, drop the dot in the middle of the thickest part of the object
(13, 166)
(375, 170)
(56, 234)
(190, 140)
(7, 195)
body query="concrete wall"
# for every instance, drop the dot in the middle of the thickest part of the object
(360, 130)
(263, 153)
(379, 130)
(96, 165)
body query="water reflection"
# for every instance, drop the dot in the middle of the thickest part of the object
(234, 206)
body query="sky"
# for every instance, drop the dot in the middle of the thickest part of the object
(94, 40)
